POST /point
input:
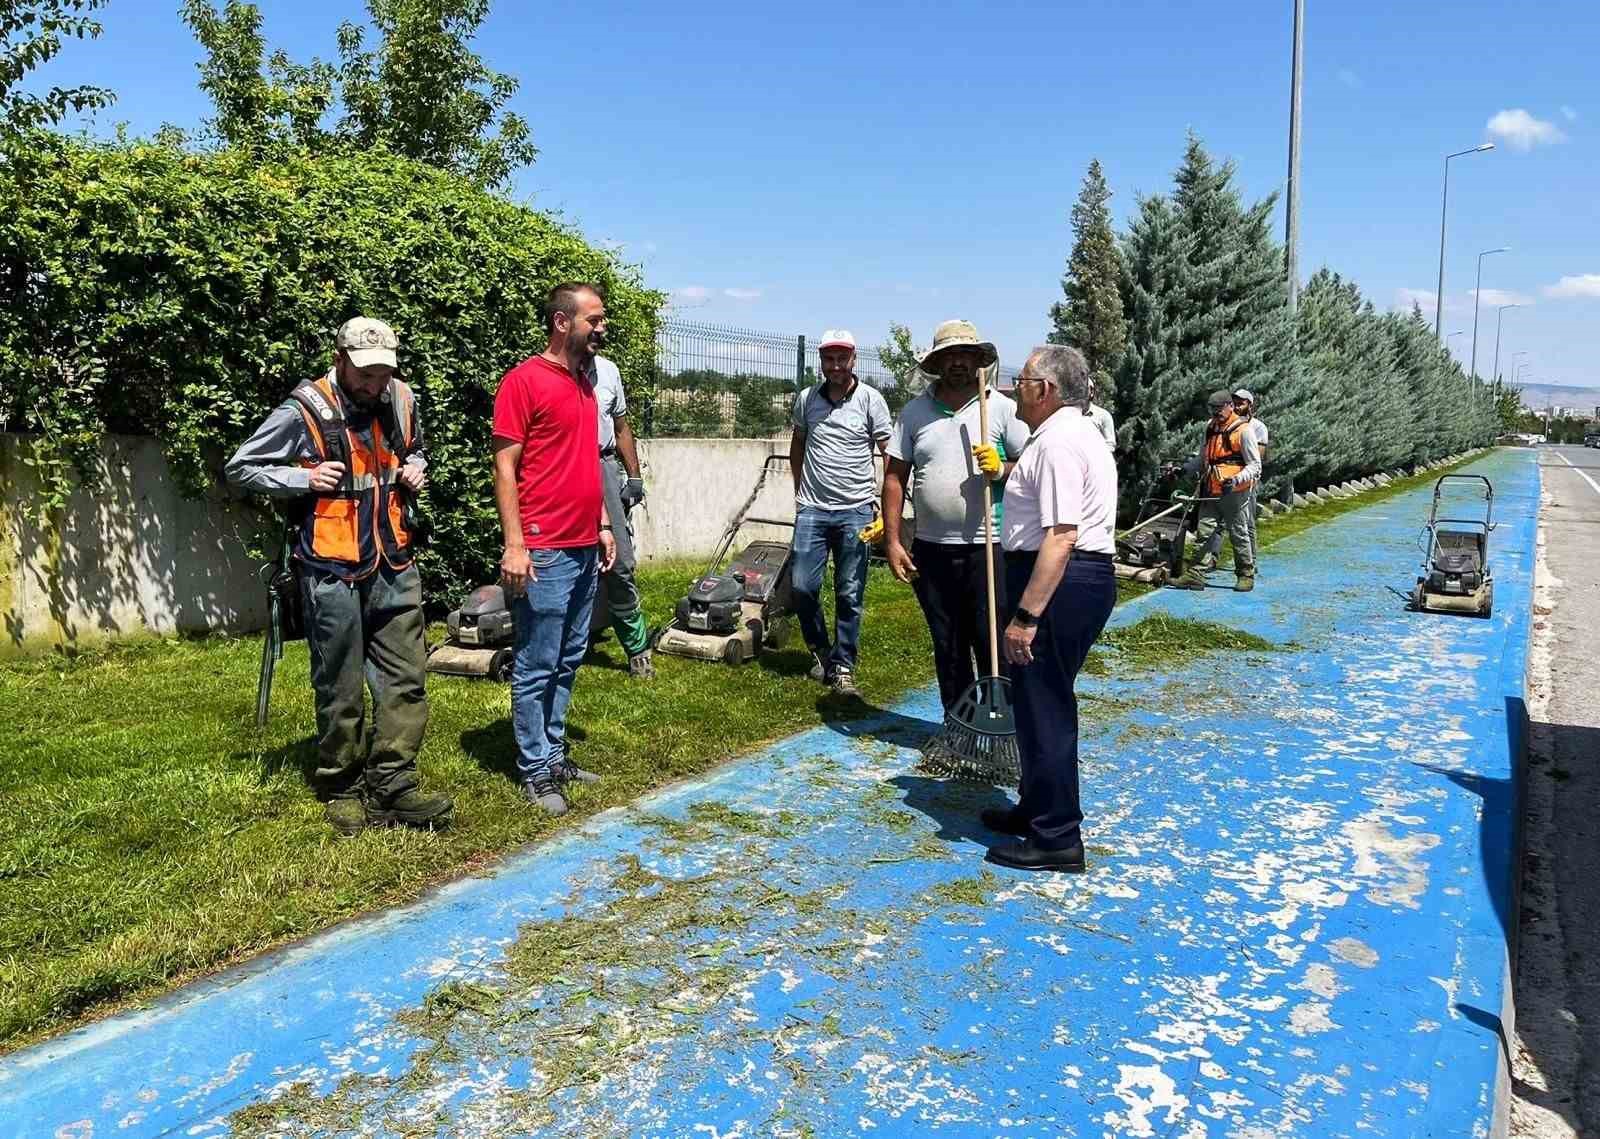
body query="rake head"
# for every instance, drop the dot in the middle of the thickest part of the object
(979, 740)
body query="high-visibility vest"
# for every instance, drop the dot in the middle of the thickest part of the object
(362, 521)
(1225, 455)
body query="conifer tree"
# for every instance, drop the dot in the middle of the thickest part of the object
(1154, 267)
(1090, 316)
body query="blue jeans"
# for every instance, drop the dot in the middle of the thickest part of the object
(817, 533)
(552, 636)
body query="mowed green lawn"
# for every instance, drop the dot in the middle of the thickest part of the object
(154, 834)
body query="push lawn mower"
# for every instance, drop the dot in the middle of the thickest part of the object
(1455, 576)
(482, 634)
(732, 612)
(1154, 547)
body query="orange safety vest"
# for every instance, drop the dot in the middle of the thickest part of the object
(1225, 455)
(363, 520)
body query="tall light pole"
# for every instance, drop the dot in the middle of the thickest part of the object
(1498, 316)
(1444, 207)
(1291, 238)
(1514, 366)
(1476, 289)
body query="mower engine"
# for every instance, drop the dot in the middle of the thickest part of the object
(714, 605)
(483, 619)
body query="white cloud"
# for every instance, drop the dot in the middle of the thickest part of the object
(1350, 79)
(1405, 298)
(1569, 113)
(692, 294)
(742, 294)
(1582, 285)
(1521, 131)
(1492, 298)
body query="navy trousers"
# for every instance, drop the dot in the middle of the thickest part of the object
(1043, 699)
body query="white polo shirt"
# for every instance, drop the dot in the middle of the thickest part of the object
(1064, 477)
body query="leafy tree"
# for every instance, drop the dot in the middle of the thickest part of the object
(418, 91)
(899, 358)
(261, 102)
(424, 93)
(1090, 317)
(32, 33)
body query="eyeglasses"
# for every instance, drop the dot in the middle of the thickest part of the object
(1020, 380)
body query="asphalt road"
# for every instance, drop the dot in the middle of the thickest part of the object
(1557, 1074)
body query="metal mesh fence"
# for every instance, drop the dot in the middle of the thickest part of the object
(713, 381)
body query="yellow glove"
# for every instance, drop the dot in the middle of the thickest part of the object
(988, 459)
(872, 533)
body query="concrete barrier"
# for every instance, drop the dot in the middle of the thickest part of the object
(134, 556)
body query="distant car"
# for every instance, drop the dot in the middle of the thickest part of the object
(1592, 439)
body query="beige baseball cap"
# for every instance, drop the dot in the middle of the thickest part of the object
(368, 342)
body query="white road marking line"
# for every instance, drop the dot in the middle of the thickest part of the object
(1592, 485)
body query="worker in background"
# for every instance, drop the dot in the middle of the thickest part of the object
(1230, 466)
(344, 450)
(1101, 418)
(1244, 405)
(937, 439)
(840, 425)
(624, 489)
(1061, 503)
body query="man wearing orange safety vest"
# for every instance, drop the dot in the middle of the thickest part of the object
(344, 451)
(1229, 465)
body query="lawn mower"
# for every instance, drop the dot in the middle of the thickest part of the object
(1154, 547)
(733, 611)
(482, 633)
(1455, 576)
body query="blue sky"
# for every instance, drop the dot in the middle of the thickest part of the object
(790, 168)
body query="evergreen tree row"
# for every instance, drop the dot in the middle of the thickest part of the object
(1192, 298)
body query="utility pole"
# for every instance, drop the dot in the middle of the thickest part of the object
(1292, 198)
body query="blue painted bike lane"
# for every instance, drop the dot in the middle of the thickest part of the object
(1295, 922)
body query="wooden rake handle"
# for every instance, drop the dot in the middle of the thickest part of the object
(988, 527)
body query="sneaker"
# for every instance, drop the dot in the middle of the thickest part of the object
(413, 808)
(542, 791)
(844, 683)
(346, 814)
(641, 667)
(565, 771)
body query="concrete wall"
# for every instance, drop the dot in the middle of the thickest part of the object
(136, 556)
(133, 557)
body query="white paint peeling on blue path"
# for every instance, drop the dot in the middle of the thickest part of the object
(1294, 923)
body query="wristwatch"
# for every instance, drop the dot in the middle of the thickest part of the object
(1024, 618)
(605, 526)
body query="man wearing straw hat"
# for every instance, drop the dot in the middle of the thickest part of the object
(1061, 504)
(839, 425)
(938, 439)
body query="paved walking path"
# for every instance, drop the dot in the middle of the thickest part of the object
(1294, 922)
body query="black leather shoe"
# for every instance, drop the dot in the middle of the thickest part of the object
(1025, 856)
(1004, 820)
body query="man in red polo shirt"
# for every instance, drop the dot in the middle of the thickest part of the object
(547, 486)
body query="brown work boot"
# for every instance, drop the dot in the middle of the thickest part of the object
(346, 814)
(413, 808)
(1191, 578)
(1245, 582)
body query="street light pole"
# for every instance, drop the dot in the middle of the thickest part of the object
(1478, 288)
(1292, 197)
(1498, 317)
(1444, 207)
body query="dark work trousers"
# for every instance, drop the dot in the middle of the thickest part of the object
(1042, 695)
(950, 587)
(367, 634)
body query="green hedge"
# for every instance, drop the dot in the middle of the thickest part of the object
(150, 290)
